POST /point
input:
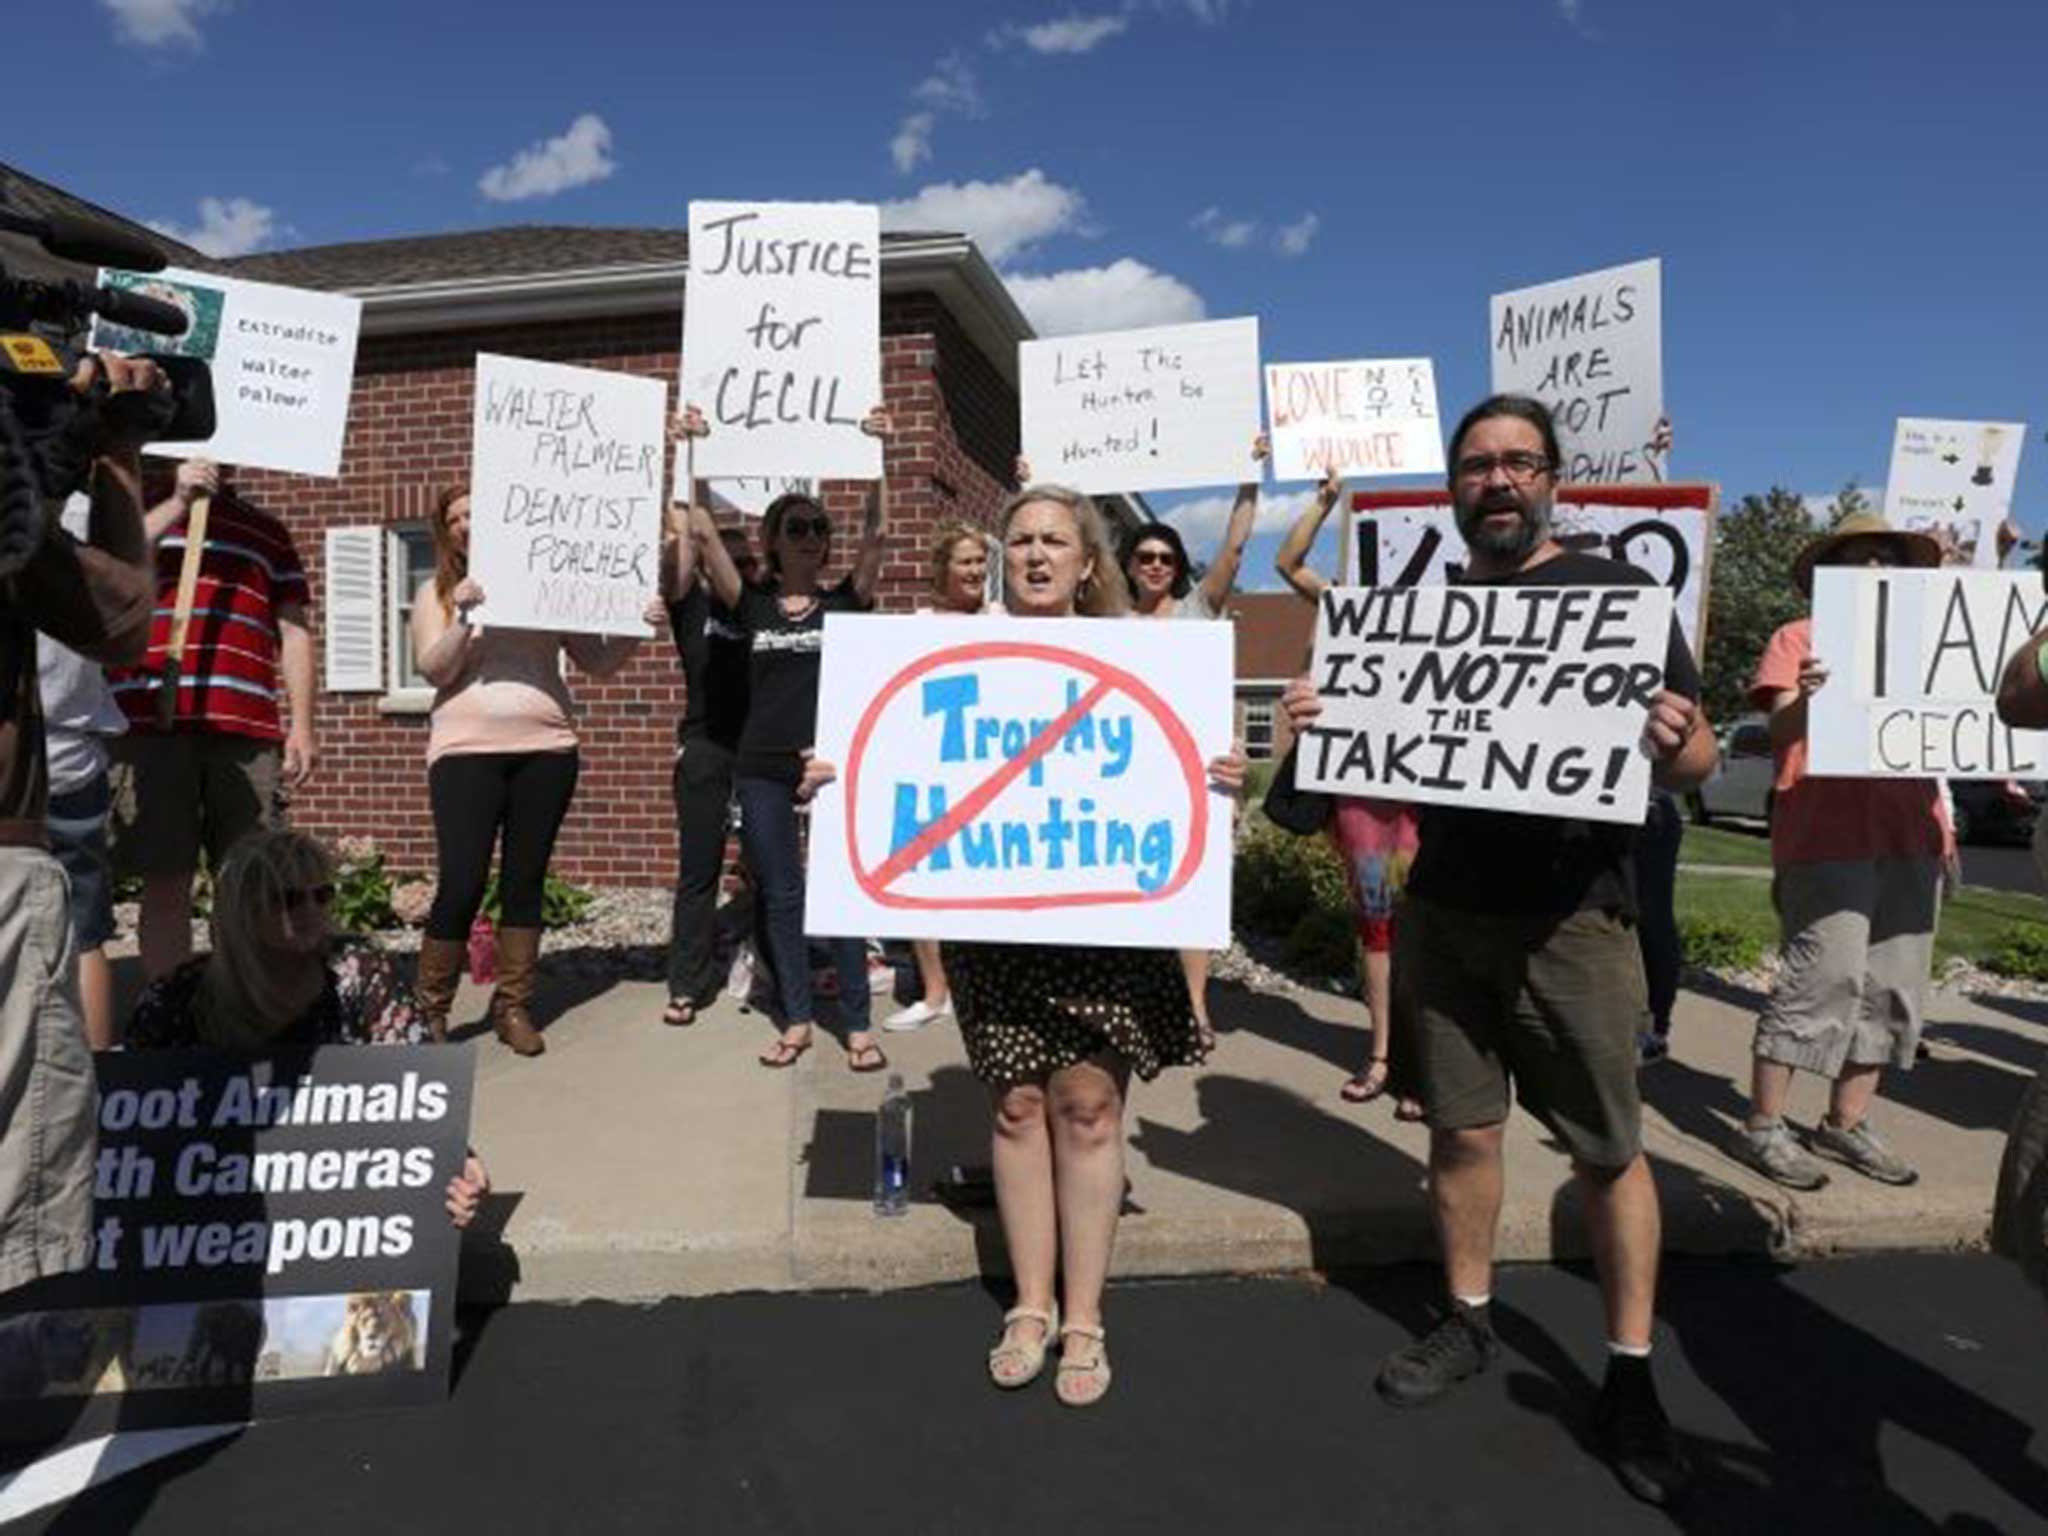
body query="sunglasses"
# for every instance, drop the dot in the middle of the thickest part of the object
(807, 527)
(1154, 557)
(321, 896)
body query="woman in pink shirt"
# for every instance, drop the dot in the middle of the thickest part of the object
(501, 767)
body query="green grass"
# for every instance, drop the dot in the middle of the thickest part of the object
(1971, 921)
(1716, 845)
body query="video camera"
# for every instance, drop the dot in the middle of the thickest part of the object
(49, 429)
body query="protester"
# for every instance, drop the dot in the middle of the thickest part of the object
(210, 762)
(714, 652)
(79, 717)
(94, 597)
(278, 976)
(1055, 1031)
(959, 584)
(2019, 1213)
(1656, 860)
(1518, 948)
(1856, 873)
(502, 762)
(1375, 840)
(1155, 564)
(784, 620)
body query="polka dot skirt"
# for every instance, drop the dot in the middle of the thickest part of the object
(1027, 1010)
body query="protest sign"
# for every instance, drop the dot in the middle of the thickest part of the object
(1954, 479)
(1360, 418)
(565, 496)
(271, 1238)
(1023, 781)
(1161, 409)
(1592, 349)
(1914, 659)
(782, 337)
(1422, 547)
(283, 362)
(1529, 699)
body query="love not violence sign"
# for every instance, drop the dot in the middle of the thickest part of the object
(1023, 781)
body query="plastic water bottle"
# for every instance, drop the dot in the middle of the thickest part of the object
(892, 1150)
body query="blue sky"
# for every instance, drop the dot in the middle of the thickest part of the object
(1844, 193)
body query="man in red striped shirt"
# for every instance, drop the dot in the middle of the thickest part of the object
(215, 772)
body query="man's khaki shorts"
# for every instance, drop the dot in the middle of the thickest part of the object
(179, 792)
(49, 1103)
(1551, 1005)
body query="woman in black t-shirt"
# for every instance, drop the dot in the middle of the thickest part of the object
(784, 621)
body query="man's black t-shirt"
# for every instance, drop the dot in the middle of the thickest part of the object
(1500, 862)
(782, 710)
(716, 658)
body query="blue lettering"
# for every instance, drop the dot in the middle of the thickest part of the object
(1116, 741)
(950, 696)
(906, 828)
(1158, 856)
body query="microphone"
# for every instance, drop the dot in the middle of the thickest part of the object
(86, 240)
(139, 312)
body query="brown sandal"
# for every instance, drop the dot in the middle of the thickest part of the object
(784, 1053)
(861, 1053)
(1367, 1085)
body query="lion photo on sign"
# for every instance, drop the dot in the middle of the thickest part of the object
(378, 1333)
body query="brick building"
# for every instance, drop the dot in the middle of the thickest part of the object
(1273, 632)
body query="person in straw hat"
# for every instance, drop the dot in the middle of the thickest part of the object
(1857, 865)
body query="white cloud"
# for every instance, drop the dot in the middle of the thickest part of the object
(545, 167)
(1123, 294)
(1293, 239)
(1071, 34)
(912, 145)
(1574, 14)
(950, 87)
(232, 226)
(1231, 234)
(1003, 217)
(161, 23)
(1202, 520)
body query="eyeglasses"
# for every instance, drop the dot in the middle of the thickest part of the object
(807, 527)
(1518, 465)
(321, 896)
(1154, 557)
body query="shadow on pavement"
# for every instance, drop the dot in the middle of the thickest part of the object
(1278, 1018)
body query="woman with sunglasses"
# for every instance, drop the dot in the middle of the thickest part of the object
(501, 765)
(1155, 565)
(1054, 1032)
(278, 976)
(784, 621)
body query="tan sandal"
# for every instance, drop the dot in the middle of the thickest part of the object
(1012, 1365)
(1082, 1383)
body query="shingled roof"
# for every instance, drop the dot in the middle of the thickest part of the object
(518, 250)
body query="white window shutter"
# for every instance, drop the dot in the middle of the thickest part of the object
(354, 608)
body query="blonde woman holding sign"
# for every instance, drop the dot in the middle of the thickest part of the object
(1055, 1031)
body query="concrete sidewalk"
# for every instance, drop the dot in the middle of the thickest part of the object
(635, 1160)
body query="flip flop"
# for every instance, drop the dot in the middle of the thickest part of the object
(1363, 1087)
(680, 1013)
(784, 1053)
(861, 1053)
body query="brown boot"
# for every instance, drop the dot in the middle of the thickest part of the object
(518, 958)
(440, 972)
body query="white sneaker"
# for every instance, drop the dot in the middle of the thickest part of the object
(881, 978)
(917, 1015)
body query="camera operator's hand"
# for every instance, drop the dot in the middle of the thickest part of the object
(196, 478)
(138, 402)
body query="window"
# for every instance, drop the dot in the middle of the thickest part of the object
(1258, 729)
(410, 559)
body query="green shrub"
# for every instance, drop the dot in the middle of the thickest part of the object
(1278, 879)
(1718, 943)
(562, 905)
(1258, 778)
(1324, 943)
(362, 894)
(2020, 950)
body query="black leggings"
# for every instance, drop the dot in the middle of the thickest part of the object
(475, 793)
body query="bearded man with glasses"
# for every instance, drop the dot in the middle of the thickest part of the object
(1519, 951)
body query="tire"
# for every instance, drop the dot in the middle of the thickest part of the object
(1770, 805)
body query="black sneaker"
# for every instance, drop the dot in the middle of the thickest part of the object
(1633, 1435)
(1461, 1345)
